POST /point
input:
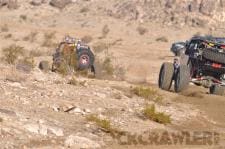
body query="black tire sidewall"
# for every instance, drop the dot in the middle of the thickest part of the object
(182, 78)
(88, 54)
(166, 76)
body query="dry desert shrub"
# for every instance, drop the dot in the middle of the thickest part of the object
(100, 47)
(12, 53)
(5, 28)
(84, 10)
(86, 39)
(48, 39)
(36, 53)
(31, 37)
(142, 30)
(105, 31)
(106, 70)
(67, 62)
(159, 117)
(162, 39)
(107, 66)
(104, 124)
(16, 55)
(23, 17)
(147, 93)
(8, 36)
(120, 72)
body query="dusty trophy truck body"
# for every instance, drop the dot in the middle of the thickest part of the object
(201, 61)
(71, 50)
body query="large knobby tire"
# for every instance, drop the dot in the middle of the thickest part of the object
(214, 56)
(182, 78)
(217, 90)
(166, 76)
(85, 59)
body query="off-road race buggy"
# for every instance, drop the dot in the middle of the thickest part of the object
(201, 61)
(74, 55)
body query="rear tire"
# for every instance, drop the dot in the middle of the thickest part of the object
(182, 78)
(217, 90)
(166, 76)
(85, 59)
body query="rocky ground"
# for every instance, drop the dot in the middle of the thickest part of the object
(45, 110)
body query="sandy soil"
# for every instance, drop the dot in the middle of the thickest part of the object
(33, 104)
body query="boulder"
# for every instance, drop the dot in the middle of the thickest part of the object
(44, 66)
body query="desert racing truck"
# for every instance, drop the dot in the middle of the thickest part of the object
(74, 54)
(201, 60)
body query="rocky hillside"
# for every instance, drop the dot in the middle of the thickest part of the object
(44, 109)
(181, 12)
(169, 12)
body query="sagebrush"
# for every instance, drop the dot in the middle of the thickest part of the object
(159, 117)
(12, 53)
(147, 93)
(103, 124)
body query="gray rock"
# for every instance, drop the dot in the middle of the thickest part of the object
(44, 66)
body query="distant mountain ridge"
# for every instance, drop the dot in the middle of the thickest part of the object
(169, 12)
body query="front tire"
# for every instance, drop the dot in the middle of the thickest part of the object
(182, 78)
(166, 76)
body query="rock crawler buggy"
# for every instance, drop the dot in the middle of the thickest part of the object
(74, 55)
(201, 61)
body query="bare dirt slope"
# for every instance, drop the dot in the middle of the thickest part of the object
(42, 110)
